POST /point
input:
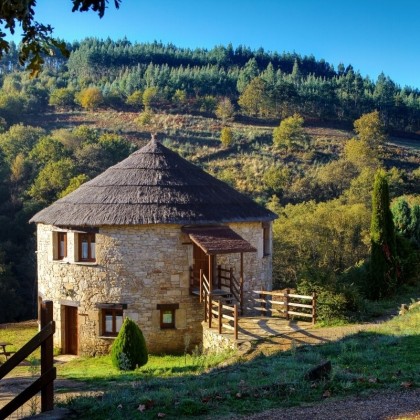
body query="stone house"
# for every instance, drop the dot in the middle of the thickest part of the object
(133, 242)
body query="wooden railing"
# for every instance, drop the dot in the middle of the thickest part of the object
(227, 280)
(286, 303)
(226, 316)
(45, 383)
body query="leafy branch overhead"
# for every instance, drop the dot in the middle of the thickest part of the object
(37, 39)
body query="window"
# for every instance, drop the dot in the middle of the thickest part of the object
(112, 320)
(167, 315)
(266, 239)
(87, 247)
(61, 245)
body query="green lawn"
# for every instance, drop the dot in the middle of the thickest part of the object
(385, 358)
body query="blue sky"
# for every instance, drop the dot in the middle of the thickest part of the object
(373, 35)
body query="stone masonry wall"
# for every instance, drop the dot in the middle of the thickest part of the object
(141, 266)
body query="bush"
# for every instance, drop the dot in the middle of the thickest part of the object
(129, 349)
(226, 137)
(338, 298)
(144, 118)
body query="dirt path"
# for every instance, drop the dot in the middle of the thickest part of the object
(384, 405)
(310, 335)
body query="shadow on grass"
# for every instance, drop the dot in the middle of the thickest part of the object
(361, 363)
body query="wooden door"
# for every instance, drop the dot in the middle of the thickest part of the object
(70, 322)
(201, 262)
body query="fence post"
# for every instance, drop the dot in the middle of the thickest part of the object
(220, 315)
(210, 298)
(47, 357)
(286, 302)
(313, 308)
(205, 306)
(235, 321)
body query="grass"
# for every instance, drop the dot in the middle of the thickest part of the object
(99, 370)
(386, 358)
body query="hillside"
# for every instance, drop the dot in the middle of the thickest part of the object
(277, 127)
(252, 154)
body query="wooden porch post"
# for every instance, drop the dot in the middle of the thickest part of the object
(201, 285)
(210, 297)
(211, 274)
(241, 285)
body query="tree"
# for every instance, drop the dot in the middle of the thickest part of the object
(150, 97)
(225, 110)
(129, 349)
(254, 99)
(383, 264)
(370, 130)
(249, 72)
(74, 184)
(90, 98)
(51, 180)
(276, 179)
(402, 216)
(62, 98)
(19, 139)
(290, 133)
(37, 38)
(135, 99)
(226, 137)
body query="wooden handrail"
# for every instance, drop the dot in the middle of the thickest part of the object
(28, 393)
(287, 303)
(27, 349)
(45, 383)
(219, 312)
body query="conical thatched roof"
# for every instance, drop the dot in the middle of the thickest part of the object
(153, 185)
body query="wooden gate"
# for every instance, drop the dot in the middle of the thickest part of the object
(45, 383)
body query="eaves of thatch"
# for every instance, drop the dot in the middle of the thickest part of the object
(153, 185)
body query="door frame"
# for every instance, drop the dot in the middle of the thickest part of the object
(70, 328)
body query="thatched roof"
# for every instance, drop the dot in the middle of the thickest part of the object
(153, 185)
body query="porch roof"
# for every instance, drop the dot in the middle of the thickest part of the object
(218, 240)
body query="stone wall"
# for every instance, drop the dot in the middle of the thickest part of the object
(214, 342)
(140, 266)
(257, 267)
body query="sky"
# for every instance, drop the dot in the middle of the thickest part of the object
(373, 36)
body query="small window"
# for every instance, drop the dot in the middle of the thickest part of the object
(61, 245)
(87, 247)
(167, 315)
(167, 318)
(112, 320)
(266, 239)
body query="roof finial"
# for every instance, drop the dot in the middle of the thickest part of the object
(154, 135)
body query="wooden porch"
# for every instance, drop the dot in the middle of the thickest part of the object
(260, 328)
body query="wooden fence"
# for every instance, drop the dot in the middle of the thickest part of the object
(45, 383)
(226, 316)
(286, 304)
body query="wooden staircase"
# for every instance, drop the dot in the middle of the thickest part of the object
(223, 303)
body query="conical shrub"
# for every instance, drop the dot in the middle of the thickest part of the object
(129, 349)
